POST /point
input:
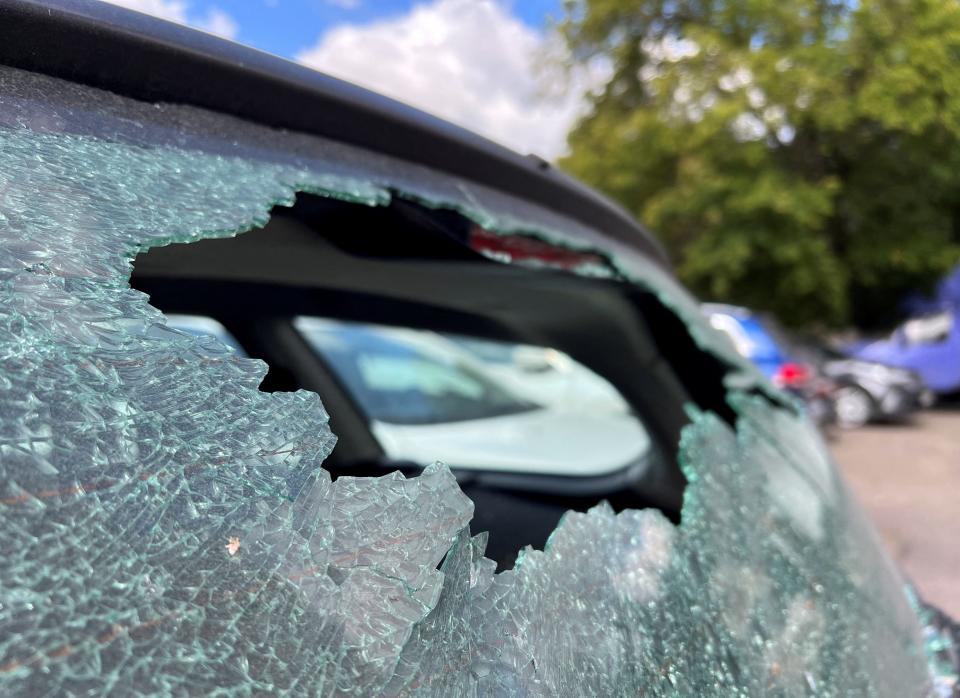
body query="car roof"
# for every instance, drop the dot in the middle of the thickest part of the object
(736, 311)
(92, 42)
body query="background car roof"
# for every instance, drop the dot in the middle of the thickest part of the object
(93, 42)
(736, 311)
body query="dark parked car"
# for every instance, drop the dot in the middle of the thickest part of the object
(835, 387)
(866, 390)
(186, 517)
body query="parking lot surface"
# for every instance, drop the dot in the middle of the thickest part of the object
(907, 477)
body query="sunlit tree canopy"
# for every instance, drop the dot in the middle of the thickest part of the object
(800, 156)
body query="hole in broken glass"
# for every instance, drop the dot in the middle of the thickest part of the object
(161, 536)
(424, 350)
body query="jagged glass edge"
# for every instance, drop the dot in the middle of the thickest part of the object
(506, 224)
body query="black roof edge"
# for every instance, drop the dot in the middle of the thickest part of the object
(149, 59)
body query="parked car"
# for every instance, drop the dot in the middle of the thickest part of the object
(753, 338)
(866, 390)
(928, 345)
(183, 518)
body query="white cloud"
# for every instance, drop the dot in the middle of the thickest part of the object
(345, 4)
(216, 21)
(468, 61)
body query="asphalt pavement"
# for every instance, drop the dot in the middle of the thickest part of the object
(907, 477)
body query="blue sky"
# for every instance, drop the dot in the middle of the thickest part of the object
(488, 65)
(286, 27)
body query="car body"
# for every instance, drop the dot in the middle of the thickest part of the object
(182, 518)
(867, 390)
(928, 345)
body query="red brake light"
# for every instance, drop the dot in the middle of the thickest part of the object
(791, 375)
(521, 248)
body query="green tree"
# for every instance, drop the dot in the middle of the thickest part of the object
(799, 156)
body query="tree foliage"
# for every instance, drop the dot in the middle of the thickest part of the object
(800, 156)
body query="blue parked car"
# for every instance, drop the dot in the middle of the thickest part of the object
(754, 338)
(749, 336)
(929, 345)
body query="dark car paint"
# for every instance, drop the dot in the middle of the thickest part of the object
(895, 393)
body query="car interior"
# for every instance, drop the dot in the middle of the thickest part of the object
(408, 275)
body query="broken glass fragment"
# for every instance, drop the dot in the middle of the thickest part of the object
(168, 529)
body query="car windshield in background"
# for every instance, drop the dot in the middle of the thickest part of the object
(479, 404)
(545, 375)
(797, 346)
(408, 377)
(930, 329)
(747, 335)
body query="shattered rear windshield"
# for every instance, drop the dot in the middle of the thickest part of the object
(169, 529)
